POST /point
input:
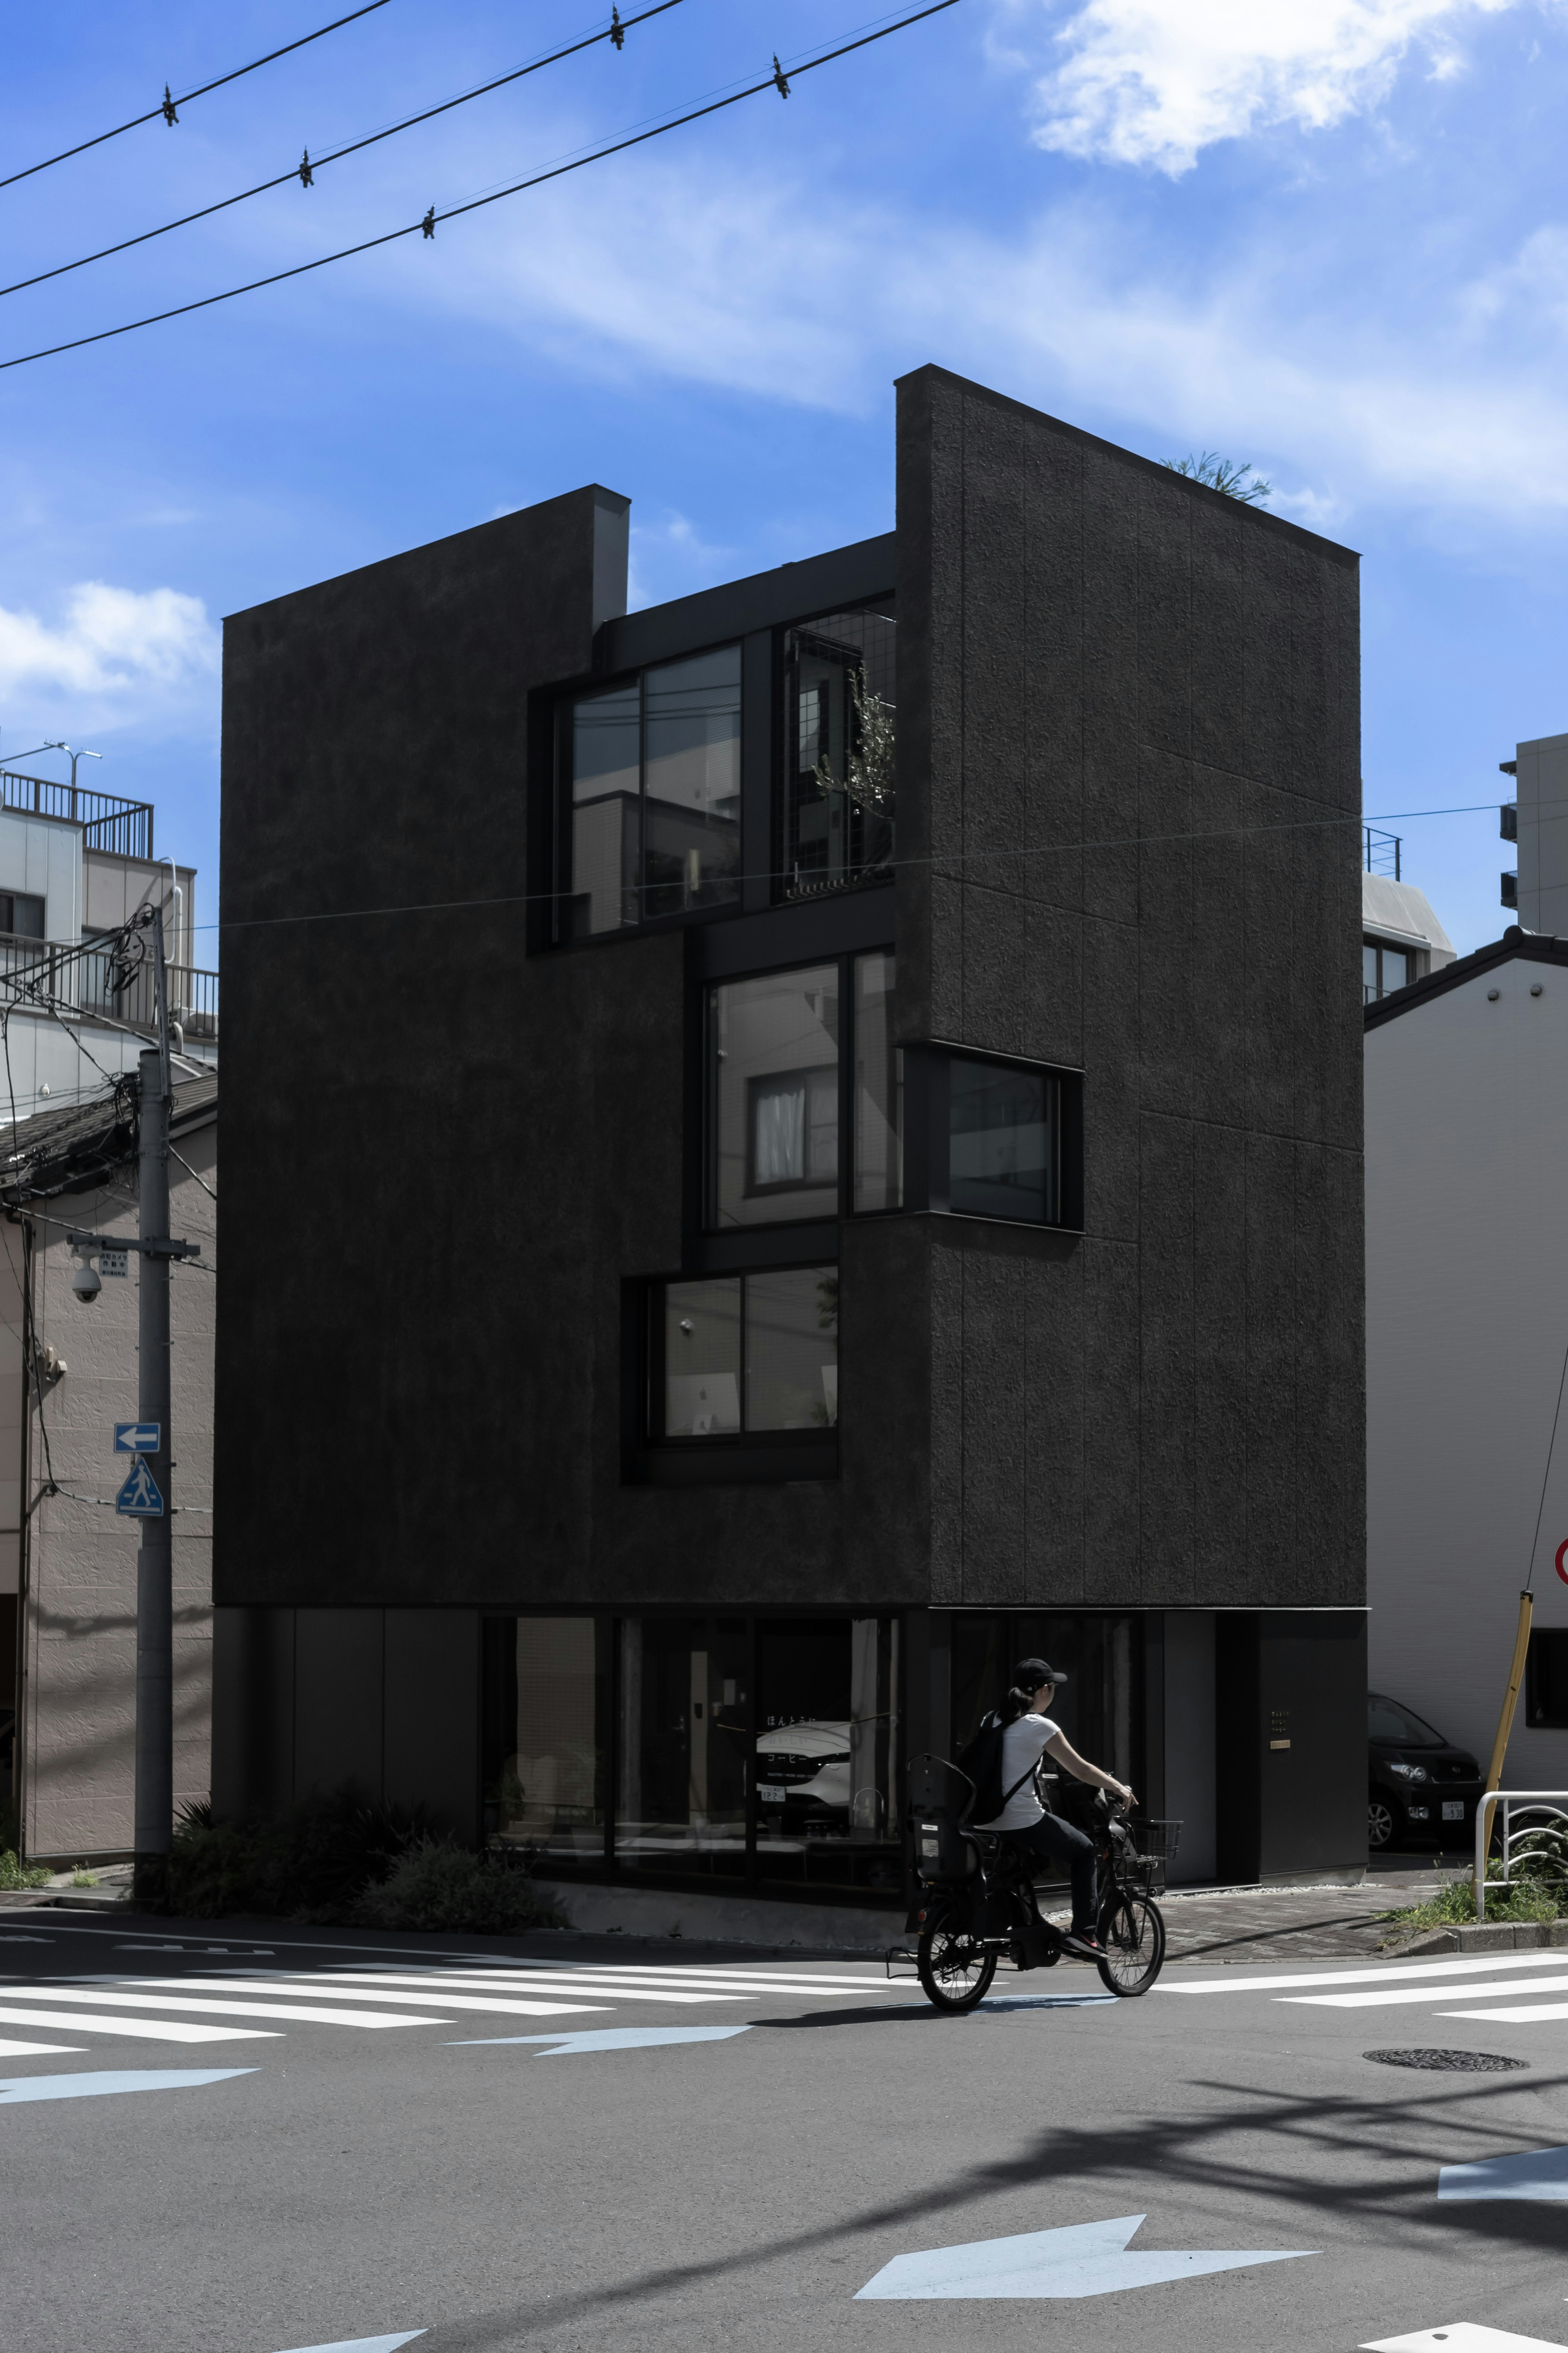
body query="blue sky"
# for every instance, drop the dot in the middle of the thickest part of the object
(1330, 237)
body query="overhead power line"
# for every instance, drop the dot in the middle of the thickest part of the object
(169, 107)
(306, 168)
(426, 226)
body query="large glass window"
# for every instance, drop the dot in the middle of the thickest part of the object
(654, 795)
(779, 1093)
(878, 1088)
(742, 1354)
(828, 1752)
(543, 1761)
(1002, 1140)
(683, 1738)
(775, 1093)
(840, 786)
(1386, 968)
(1099, 1707)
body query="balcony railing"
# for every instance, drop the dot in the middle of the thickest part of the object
(86, 985)
(1381, 852)
(122, 827)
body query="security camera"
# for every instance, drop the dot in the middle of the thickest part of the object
(85, 1281)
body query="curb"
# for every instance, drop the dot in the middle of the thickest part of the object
(1487, 1936)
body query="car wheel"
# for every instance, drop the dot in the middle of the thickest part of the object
(1379, 1824)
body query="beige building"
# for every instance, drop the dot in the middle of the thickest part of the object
(68, 1374)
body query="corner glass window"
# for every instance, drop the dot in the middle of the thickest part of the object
(736, 1355)
(878, 1088)
(654, 796)
(775, 1095)
(543, 1761)
(841, 788)
(1003, 1142)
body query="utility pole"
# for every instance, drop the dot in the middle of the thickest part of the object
(155, 1562)
(151, 1441)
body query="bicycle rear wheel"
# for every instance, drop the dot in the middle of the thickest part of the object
(954, 1969)
(1132, 1932)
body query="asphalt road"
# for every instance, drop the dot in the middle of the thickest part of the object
(309, 2181)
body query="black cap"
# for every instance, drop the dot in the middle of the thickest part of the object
(1030, 1674)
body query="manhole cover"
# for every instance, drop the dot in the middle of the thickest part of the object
(1458, 2062)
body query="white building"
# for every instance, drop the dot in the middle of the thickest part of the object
(1401, 938)
(1467, 1245)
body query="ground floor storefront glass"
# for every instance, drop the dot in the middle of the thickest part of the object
(734, 1749)
(1100, 1707)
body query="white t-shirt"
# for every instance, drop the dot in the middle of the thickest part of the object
(1022, 1744)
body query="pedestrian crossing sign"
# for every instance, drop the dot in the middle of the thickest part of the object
(140, 1499)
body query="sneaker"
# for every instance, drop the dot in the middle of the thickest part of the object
(1084, 1943)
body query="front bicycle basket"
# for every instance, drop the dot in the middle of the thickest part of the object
(1139, 1855)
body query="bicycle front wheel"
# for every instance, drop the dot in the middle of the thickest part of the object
(954, 1969)
(1132, 1932)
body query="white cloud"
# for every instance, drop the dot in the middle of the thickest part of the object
(112, 647)
(1154, 82)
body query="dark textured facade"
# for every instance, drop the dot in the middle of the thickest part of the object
(463, 1144)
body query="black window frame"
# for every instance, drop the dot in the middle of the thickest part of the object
(926, 1136)
(785, 890)
(727, 1458)
(843, 1185)
(1416, 959)
(8, 910)
(564, 701)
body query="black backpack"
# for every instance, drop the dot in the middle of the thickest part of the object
(981, 1762)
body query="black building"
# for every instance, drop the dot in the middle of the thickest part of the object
(788, 1146)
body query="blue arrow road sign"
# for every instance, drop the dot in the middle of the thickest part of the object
(138, 1498)
(137, 1437)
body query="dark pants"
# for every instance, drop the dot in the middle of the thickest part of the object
(1051, 1840)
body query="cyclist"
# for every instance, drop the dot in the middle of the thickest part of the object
(1027, 1735)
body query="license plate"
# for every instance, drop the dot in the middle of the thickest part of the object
(1453, 1809)
(768, 1794)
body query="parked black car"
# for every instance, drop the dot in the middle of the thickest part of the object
(1422, 1789)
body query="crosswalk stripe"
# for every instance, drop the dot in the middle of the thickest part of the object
(1428, 1993)
(399, 1990)
(1525, 2011)
(466, 1989)
(295, 2013)
(1390, 1971)
(145, 2030)
(35, 2050)
(694, 1974)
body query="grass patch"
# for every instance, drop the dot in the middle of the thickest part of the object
(15, 1875)
(1454, 1906)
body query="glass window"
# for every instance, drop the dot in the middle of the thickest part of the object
(702, 1359)
(791, 1349)
(1002, 1152)
(878, 1088)
(22, 914)
(692, 782)
(774, 1143)
(654, 795)
(1369, 989)
(1383, 968)
(1099, 1707)
(1386, 1720)
(840, 783)
(828, 1752)
(782, 1327)
(606, 823)
(542, 1760)
(684, 1737)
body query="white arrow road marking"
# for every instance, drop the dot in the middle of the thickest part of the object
(296, 2012)
(93, 2086)
(1462, 2337)
(607, 2037)
(1389, 1972)
(145, 2030)
(1084, 2259)
(403, 1991)
(1425, 1993)
(1541, 2173)
(363, 2344)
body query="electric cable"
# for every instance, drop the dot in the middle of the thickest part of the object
(168, 109)
(426, 227)
(306, 170)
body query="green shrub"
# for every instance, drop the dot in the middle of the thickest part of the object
(439, 1888)
(14, 1874)
(309, 1863)
(1454, 1906)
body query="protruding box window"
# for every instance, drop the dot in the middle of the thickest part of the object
(735, 1356)
(840, 789)
(991, 1136)
(774, 1097)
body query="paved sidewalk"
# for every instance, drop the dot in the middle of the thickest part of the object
(1297, 1924)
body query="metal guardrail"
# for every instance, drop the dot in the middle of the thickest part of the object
(1381, 852)
(1551, 1804)
(83, 984)
(123, 827)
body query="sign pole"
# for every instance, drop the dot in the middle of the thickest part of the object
(154, 1567)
